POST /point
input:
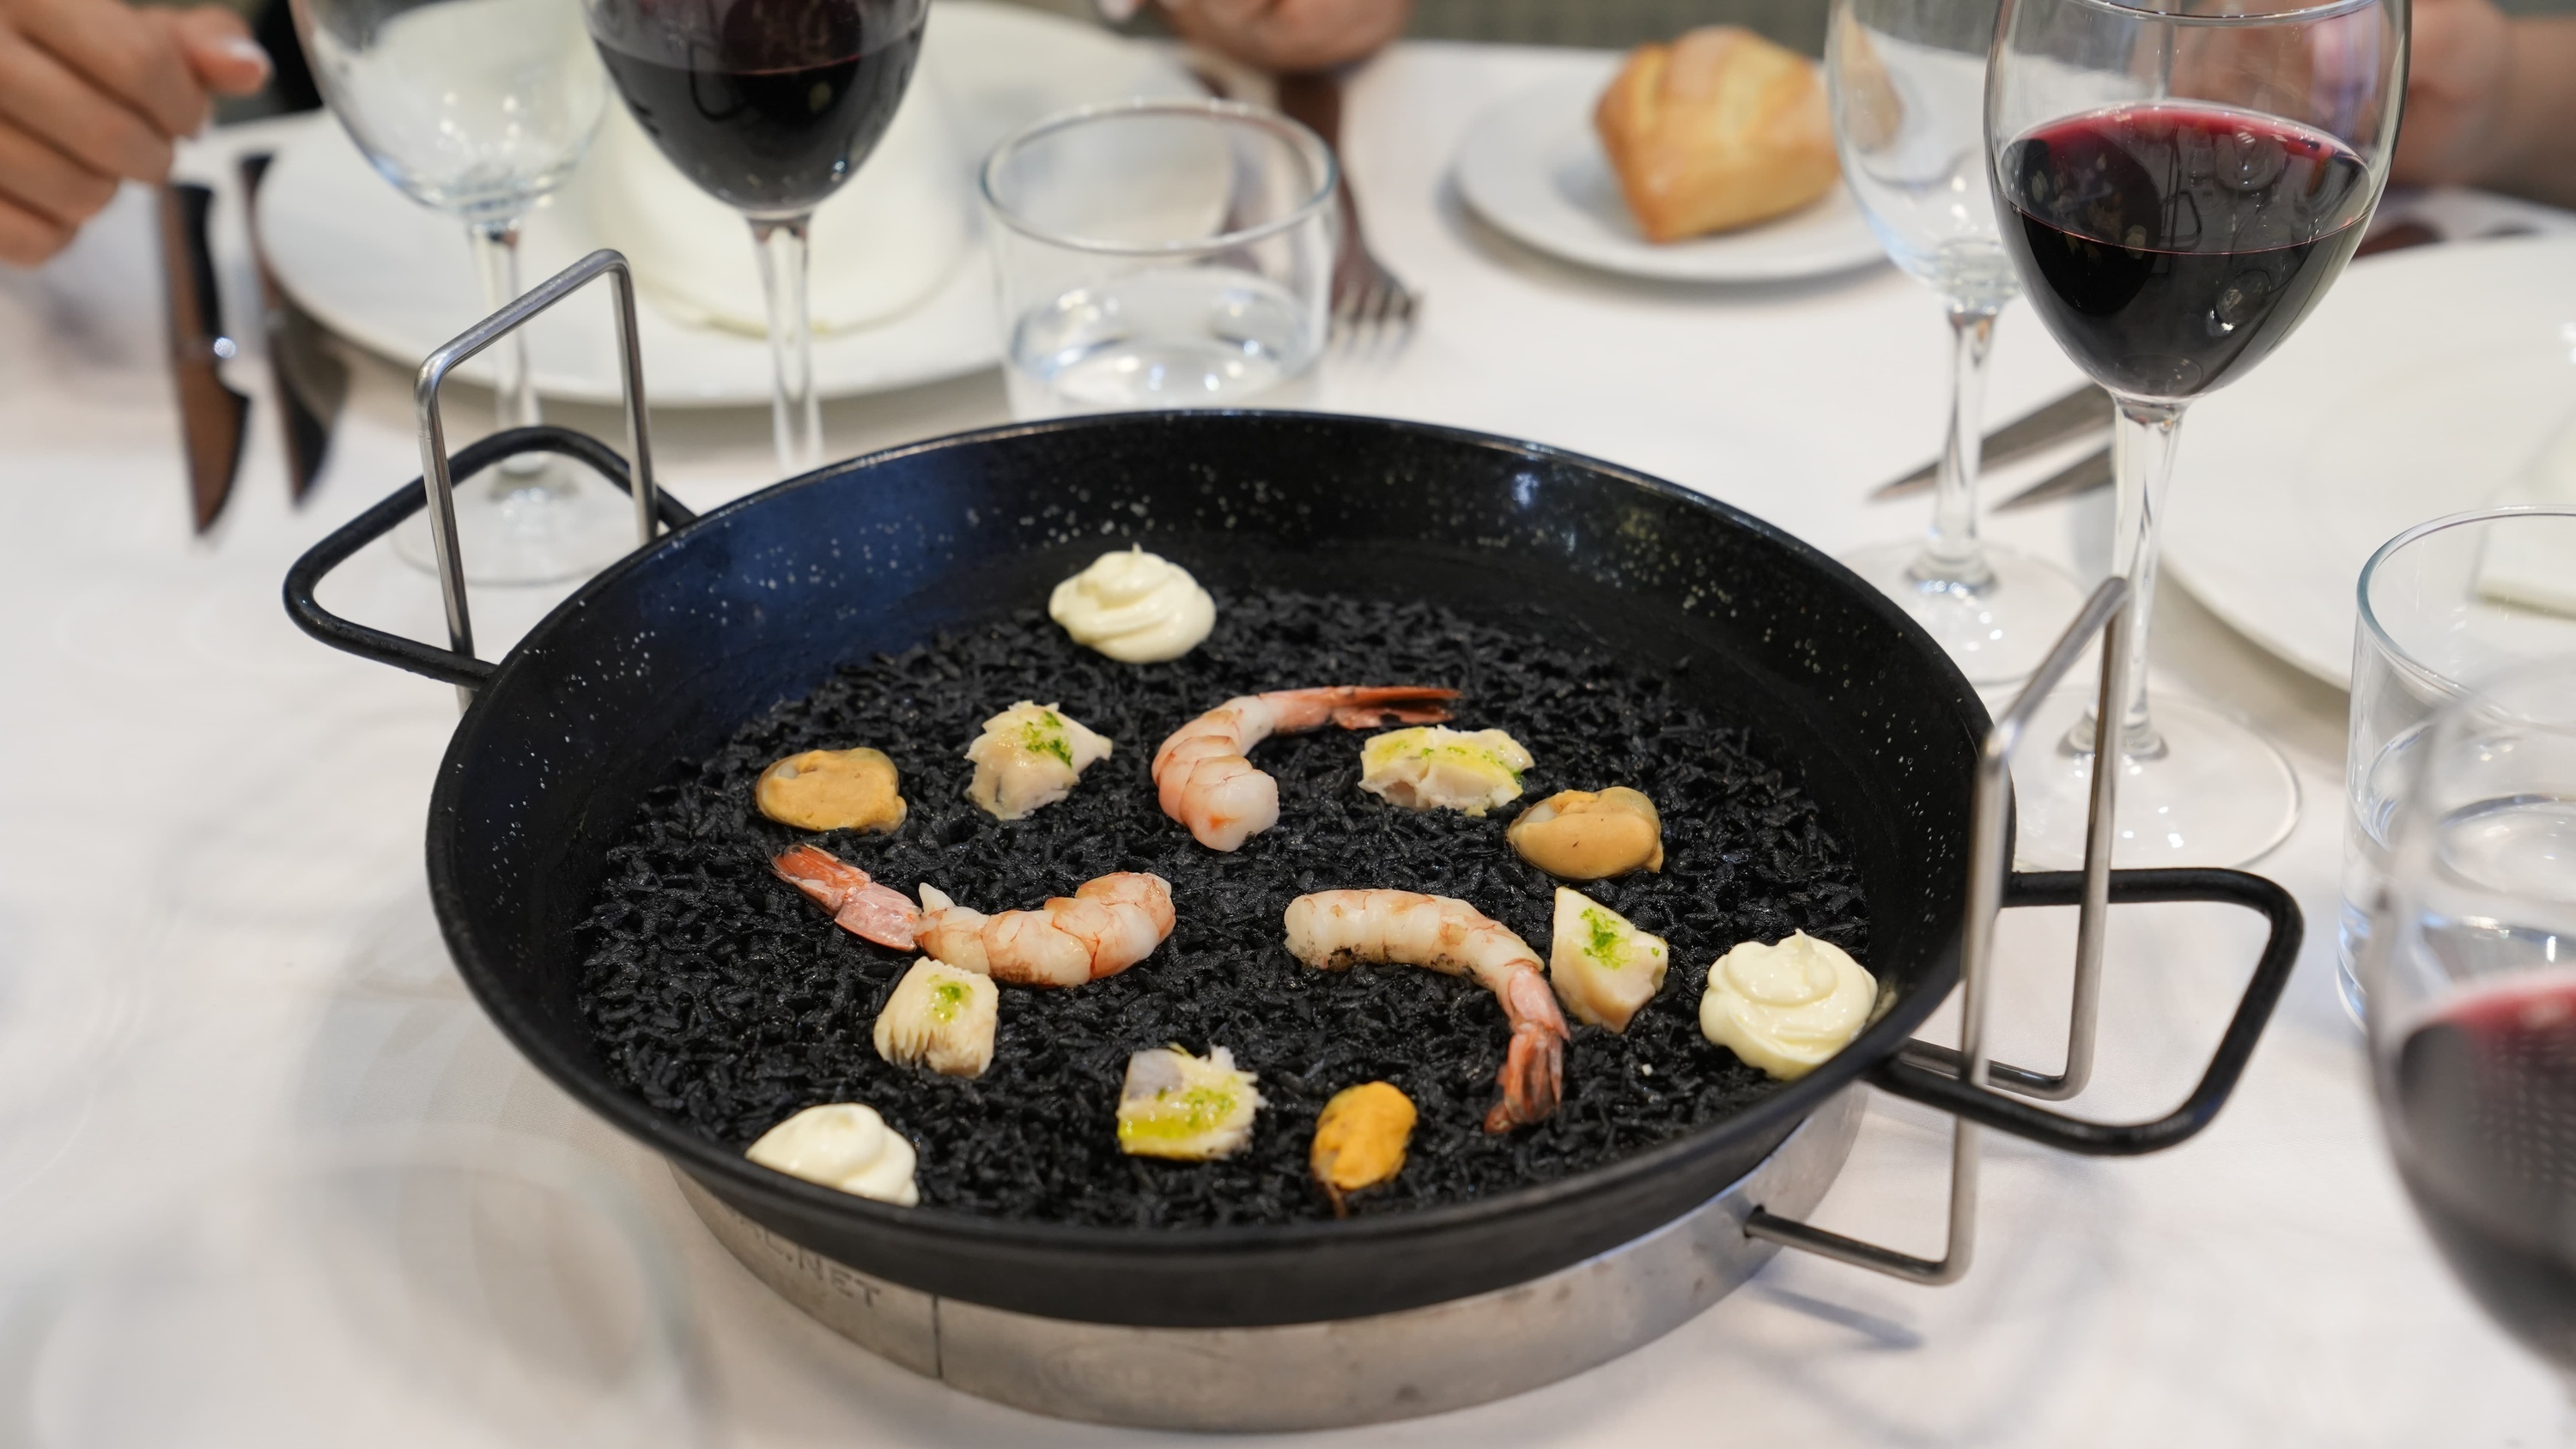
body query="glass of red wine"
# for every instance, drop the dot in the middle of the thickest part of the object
(2178, 182)
(2470, 977)
(769, 106)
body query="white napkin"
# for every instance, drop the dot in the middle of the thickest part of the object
(2533, 568)
(881, 244)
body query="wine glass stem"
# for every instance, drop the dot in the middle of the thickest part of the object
(1951, 552)
(514, 391)
(795, 418)
(2142, 454)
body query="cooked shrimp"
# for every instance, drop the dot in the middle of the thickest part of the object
(1206, 783)
(1333, 930)
(1101, 929)
(858, 904)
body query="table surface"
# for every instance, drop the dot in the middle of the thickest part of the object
(216, 943)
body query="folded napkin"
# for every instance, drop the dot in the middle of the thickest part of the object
(881, 244)
(2534, 568)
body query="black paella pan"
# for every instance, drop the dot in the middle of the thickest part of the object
(664, 655)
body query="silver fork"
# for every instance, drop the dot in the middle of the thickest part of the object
(1372, 308)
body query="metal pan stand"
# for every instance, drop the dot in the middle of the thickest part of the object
(434, 465)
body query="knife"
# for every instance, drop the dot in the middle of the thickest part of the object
(2085, 474)
(308, 379)
(210, 414)
(2086, 409)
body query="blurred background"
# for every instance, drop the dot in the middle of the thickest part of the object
(1606, 24)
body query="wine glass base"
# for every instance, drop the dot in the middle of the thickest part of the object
(1996, 632)
(2220, 795)
(542, 526)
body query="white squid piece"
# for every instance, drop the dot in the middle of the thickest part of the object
(1029, 757)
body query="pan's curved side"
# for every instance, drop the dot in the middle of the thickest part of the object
(1296, 1377)
(660, 659)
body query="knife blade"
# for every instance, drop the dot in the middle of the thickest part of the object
(308, 379)
(210, 414)
(2086, 409)
(2085, 474)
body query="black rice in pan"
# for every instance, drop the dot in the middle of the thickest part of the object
(721, 996)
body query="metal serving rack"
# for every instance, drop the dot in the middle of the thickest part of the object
(1989, 863)
(434, 463)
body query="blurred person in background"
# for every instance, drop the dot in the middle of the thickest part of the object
(2490, 101)
(93, 93)
(1280, 35)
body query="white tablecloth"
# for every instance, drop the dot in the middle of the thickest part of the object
(215, 941)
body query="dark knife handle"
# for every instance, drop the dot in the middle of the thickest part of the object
(210, 414)
(307, 383)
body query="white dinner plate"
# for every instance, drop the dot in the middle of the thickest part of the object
(2424, 382)
(399, 280)
(1532, 166)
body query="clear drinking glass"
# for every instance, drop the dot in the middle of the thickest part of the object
(2471, 975)
(1908, 84)
(2454, 599)
(2179, 182)
(769, 106)
(480, 109)
(1160, 254)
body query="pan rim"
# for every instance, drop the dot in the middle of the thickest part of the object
(733, 1175)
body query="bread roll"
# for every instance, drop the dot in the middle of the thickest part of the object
(1719, 129)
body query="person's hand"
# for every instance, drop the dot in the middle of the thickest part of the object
(92, 93)
(1286, 36)
(2455, 92)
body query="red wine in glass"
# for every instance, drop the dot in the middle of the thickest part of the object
(771, 107)
(2169, 245)
(2483, 1119)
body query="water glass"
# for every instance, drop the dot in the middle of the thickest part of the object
(1161, 254)
(2471, 975)
(2447, 601)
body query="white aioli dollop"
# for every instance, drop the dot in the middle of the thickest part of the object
(843, 1145)
(1786, 1008)
(1135, 607)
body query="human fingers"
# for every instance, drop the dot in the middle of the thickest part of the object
(66, 111)
(37, 178)
(27, 238)
(1290, 35)
(131, 55)
(218, 48)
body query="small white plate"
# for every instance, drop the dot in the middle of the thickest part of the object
(1532, 166)
(2424, 382)
(399, 280)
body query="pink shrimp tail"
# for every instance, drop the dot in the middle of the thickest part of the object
(858, 904)
(1533, 1074)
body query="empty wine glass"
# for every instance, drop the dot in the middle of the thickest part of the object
(2470, 972)
(481, 109)
(1908, 83)
(769, 106)
(2179, 182)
